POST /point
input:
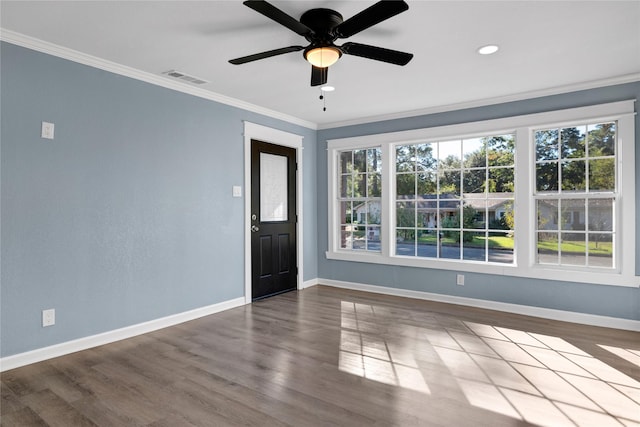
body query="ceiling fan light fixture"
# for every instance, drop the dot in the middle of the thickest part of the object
(322, 57)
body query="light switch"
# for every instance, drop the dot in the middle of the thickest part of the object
(237, 191)
(47, 130)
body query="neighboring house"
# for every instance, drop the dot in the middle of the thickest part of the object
(574, 217)
(492, 206)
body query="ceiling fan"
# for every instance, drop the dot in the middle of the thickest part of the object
(322, 27)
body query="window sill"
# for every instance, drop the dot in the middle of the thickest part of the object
(533, 272)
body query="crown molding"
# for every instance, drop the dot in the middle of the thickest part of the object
(628, 78)
(158, 80)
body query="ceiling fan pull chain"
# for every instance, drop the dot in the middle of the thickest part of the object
(324, 100)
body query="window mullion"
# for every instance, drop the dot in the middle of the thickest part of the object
(524, 206)
(387, 200)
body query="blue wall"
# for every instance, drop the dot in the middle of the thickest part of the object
(583, 298)
(127, 215)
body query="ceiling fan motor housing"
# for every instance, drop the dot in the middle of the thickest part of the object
(321, 22)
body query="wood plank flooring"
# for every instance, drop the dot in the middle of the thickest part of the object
(326, 356)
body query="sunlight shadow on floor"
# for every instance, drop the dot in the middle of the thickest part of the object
(537, 378)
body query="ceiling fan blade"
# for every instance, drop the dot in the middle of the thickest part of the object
(263, 55)
(272, 12)
(377, 53)
(370, 16)
(319, 75)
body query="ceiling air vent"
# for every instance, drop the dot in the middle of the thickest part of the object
(185, 77)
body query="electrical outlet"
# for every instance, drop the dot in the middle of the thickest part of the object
(48, 317)
(460, 279)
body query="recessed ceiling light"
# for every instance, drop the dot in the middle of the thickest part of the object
(327, 88)
(488, 49)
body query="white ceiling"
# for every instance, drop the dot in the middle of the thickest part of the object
(545, 46)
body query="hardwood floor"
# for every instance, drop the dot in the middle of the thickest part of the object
(326, 356)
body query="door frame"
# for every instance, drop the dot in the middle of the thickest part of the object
(286, 139)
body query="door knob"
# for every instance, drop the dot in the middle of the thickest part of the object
(255, 228)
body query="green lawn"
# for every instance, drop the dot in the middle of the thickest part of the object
(495, 242)
(600, 248)
(504, 242)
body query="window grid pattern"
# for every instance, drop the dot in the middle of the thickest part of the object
(454, 199)
(360, 191)
(576, 194)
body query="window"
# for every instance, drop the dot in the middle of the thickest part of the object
(548, 195)
(576, 181)
(454, 199)
(360, 191)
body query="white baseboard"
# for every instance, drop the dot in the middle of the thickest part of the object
(309, 283)
(38, 355)
(546, 313)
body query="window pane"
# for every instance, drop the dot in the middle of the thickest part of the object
(600, 214)
(406, 185)
(573, 214)
(572, 142)
(450, 182)
(359, 237)
(573, 249)
(360, 185)
(574, 176)
(547, 214)
(468, 216)
(548, 249)
(500, 214)
(346, 186)
(426, 157)
(427, 243)
(373, 239)
(602, 175)
(501, 180)
(450, 246)
(449, 154)
(374, 160)
(501, 247)
(405, 158)
(273, 187)
(475, 212)
(373, 213)
(501, 150)
(602, 139)
(449, 213)
(474, 246)
(345, 213)
(360, 160)
(374, 185)
(427, 213)
(346, 240)
(473, 153)
(600, 250)
(546, 144)
(474, 181)
(427, 183)
(405, 242)
(405, 214)
(547, 177)
(346, 162)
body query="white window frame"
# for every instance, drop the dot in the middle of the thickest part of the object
(525, 215)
